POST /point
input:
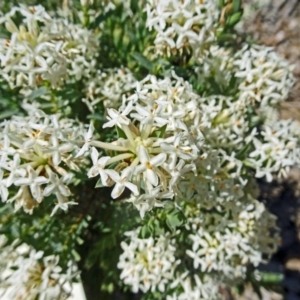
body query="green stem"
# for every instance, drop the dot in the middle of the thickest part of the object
(119, 157)
(129, 134)
(107, 146)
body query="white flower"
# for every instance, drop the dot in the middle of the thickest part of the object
(154, 132)
(56, 149)
(30, 275)
(278, 150)
(99, 167)
(147, 264)
(147, 166)
(42, 48)
(3, 187)
(226, 241)
(5, 149)
(182, 24)
(23, 198)
(14, 169)
(34, 181)
(34, 145)
(107, 88)
(179, 171)
(117, 118)
(177, 150)
(146, 202)
(87, 139)
(150, 115)
(265, 76)
(122, 181)
(192, 287)
(57, 187)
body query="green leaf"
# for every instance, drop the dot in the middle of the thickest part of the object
(143, 61)
(221, 4)
(8, 113)
(225, 37)
(232, 86)
(174, 220)
(145, 232)
(101, 18)
(234, 19)
(157, 228)
(255, 121)
(38, 93)
(96, 116)
(159, 132)
(248, 163)
(75, 255)
(215, 86)
(236, 5)
(121, 133)
(242, 152)
(271, 278)
(239, 289)
(99, 183)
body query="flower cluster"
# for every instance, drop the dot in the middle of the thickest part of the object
(216, 64)
(186, 151)
(30, 275)
(107, 87)
(182, 25)
(224, 241)
(212, 184)
(43, 49)
(150, 264)
(187, 286)
(221, 243)
(259, 74)
(265, 76)
(277, 150)
(159, 142)
(230, 125)
(257, 79)
(147, 264)
(174, 143)
(36, 156)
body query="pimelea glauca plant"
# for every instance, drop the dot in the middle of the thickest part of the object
(132, 135)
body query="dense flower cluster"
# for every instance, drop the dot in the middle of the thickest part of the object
(215, 64)
(186, 151)
(108, 87)
(232, 124)
(158, 144)
(147, 264)
(277, 150)
(42, 48)
(222, 242)
(227, 239)
(36, 156)
(28, 275)
(193, 287)
(173, 143)
(182, 25)
(265, 76)
(259, 74)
